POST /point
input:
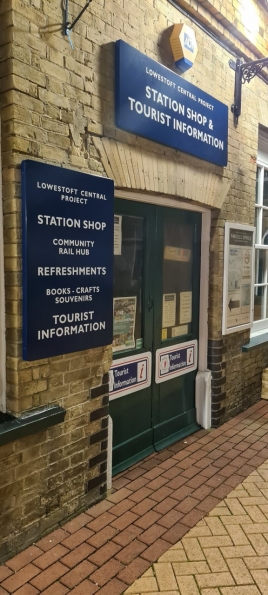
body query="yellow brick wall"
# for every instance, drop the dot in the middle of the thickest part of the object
(57, 104)
(264, 391)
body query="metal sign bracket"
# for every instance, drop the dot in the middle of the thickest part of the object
(244, 72)
(67, 27)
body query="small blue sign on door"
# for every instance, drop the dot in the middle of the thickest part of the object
(130, 374)
(67, 260)
(175, 361)
(154, 102)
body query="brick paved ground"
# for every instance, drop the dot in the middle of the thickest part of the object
(154, 504)
(225, 554)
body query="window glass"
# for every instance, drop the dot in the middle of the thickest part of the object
(258, 224)
(261, 254)
(128, 288)
(259, 294)
(258, 186)
(265, 188)
(264, 239)
(177, 279)
(260, 267)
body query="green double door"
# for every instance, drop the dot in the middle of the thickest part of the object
(156, 294)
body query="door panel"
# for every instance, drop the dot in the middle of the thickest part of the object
(176, 415)
(158, 266)
(133, 277)
(178, 257)
(177, 262)
(132, 428)
(128, 278)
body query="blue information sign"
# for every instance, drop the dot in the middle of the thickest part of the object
(129, 375)
(154, 102)
(67, 260)
(175, 361)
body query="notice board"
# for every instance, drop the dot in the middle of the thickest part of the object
(238, 281)
(68, 228)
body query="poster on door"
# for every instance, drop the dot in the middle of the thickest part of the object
(124, 323)
(175, 361)
(177, 254)
(169, 310)
(185, 307)
(238, 277)
(117, 235)
(129, 375)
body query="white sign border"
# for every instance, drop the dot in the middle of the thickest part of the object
(232, 329)
(164, 350)
(136, 387)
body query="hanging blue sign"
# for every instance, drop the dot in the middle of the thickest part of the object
(67, 260)
(154, 102)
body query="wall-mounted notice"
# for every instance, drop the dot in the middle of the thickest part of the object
(154, 102)
(164, 334)
(238, 277)
(185, 307)
(178, 254)
(169, 310)
(117, 235)
(67, 260)
(124, 323)
(175, 361)
(178, 331)
(130, 374)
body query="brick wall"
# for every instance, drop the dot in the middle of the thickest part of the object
(45, 115)
(56, 103)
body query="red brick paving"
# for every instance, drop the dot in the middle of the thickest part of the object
(76, 556)
(131, 551)
(156, 550)
(25, 590)
(51, 556)
(18, 579)
(77, 574)
(4, 573)
(153, 505)
(55, 589)
(85, 588)
(23, 558)
(49, 576)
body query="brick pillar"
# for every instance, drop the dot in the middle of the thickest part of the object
(98, 463)
(217, 365)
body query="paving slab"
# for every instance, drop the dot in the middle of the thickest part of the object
(190, 519)
(224, 554)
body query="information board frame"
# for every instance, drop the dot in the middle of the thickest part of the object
(238, 277)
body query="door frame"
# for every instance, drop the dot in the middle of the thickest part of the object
(203, 377)
(2, 302)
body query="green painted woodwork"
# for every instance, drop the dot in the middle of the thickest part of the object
(155, 417)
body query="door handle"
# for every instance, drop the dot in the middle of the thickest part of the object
(150, 302)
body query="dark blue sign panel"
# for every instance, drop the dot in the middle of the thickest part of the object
(175, 361)
(130, 374)
(154, 102)
(67, 260)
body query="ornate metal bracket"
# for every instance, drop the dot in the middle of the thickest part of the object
(69, 26)
(244, 72)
